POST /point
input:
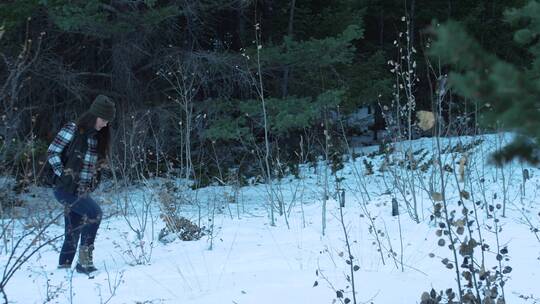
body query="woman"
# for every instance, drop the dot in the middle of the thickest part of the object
(73, 155)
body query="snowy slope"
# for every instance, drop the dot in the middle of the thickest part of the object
(246, 260)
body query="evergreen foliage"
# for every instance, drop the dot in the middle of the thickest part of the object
(99, 18)
(15, 13)
(507, 93)
(314, 57)
(285, 115)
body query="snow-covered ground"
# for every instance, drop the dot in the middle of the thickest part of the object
(246, 260)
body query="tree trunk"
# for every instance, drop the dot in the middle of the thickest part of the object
(411, 18)
(381, 28)
(286, 70)
(124, 81)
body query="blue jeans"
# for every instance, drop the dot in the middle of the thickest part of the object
(82, 216)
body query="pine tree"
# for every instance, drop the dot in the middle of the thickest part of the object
(507, 93)
(318, 56)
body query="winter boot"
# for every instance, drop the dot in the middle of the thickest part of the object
(86, 264)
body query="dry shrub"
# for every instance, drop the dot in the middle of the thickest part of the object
(176, 226)
(181, 227)
(426, 120)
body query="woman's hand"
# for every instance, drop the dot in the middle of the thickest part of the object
(83, 192)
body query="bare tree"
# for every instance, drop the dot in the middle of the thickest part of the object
(17, 70)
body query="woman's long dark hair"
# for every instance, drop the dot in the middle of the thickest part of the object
(88, 122)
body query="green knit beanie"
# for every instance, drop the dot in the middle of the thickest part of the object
(103, 107)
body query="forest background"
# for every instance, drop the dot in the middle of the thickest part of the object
(206, 89)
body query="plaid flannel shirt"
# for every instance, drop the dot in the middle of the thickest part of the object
(62, 139)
